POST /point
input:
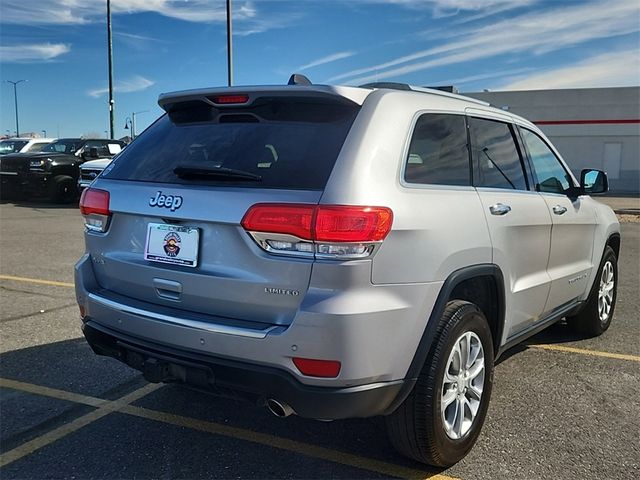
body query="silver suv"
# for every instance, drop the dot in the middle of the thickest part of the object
(337, 252)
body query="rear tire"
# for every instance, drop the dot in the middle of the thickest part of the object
(420, 428)
(595, 318)
(63, 189)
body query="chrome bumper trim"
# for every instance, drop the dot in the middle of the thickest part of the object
(195, 324)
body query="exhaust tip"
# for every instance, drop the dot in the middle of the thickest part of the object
(279, 409)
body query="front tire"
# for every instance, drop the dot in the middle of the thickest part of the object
(63, 189)
(595, 317)
(440, 420)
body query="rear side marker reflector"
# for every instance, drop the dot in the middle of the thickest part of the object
(317, 368)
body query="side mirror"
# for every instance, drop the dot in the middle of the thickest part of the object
(593, 181)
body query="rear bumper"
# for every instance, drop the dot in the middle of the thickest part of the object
(159, 363)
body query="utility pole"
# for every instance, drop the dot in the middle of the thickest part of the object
(15, 100)
(110, 48)
(229, 46)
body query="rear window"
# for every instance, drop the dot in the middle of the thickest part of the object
(289, 143)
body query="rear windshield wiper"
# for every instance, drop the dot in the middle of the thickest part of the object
(190, 171)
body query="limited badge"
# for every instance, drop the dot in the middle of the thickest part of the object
(172, 244)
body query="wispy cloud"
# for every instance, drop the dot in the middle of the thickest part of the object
(457, 81)
(135, 37)
(327, 59)
(133, 84)
(446, 8)
(253, 23)
(32, 53)
(73, 12)
(535, 33)
(608, 69)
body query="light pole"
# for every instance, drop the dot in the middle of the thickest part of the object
(229, 46)
(15, 99)
(133, 123)
(110, 50)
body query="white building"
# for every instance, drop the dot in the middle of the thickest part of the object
(591, 127)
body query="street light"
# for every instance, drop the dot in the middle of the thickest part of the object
(130, 122)
(15, 99)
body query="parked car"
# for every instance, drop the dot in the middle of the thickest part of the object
(90, 170)
(338, 252)
(23, 145)
(54, 171)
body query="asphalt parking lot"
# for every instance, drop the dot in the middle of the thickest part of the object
(562, 407)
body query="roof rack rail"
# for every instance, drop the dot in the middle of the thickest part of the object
(445, 91)
(298, 79)
(445, 88)
(391, 85)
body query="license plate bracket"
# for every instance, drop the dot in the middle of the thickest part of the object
(172, 244)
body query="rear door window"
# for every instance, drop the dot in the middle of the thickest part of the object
(279, 142)
(438, 151)
(496, 158)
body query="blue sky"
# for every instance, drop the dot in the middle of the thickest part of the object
(59, 46)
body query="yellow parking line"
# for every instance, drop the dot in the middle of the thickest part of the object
(52, 436)
(289, 445)
(52, 392)
(123, 406)
(36, 281)
(584, 351)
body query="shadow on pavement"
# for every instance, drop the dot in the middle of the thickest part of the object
(40, 204)
(72, 366)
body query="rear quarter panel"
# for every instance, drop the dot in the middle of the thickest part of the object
(436, 229)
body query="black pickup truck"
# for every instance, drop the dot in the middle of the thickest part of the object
(52, 172)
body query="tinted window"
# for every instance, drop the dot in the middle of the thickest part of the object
(287, 142)
(102, 146)
(62, 146)
(438, 152)
(551, 177)
(11, 146)
(37, 147)
(496, 159)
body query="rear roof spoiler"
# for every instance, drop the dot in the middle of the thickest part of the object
(347, 95)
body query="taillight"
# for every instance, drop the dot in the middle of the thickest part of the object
(292, 219)
(94, 207)
(326, 231)
(338, 223)
(317, 368)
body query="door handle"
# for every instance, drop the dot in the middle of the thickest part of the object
(559, 210)
(499, 209)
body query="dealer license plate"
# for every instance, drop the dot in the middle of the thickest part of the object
(174, 244)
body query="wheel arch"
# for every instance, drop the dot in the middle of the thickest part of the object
(468, 283)
(614, 242)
